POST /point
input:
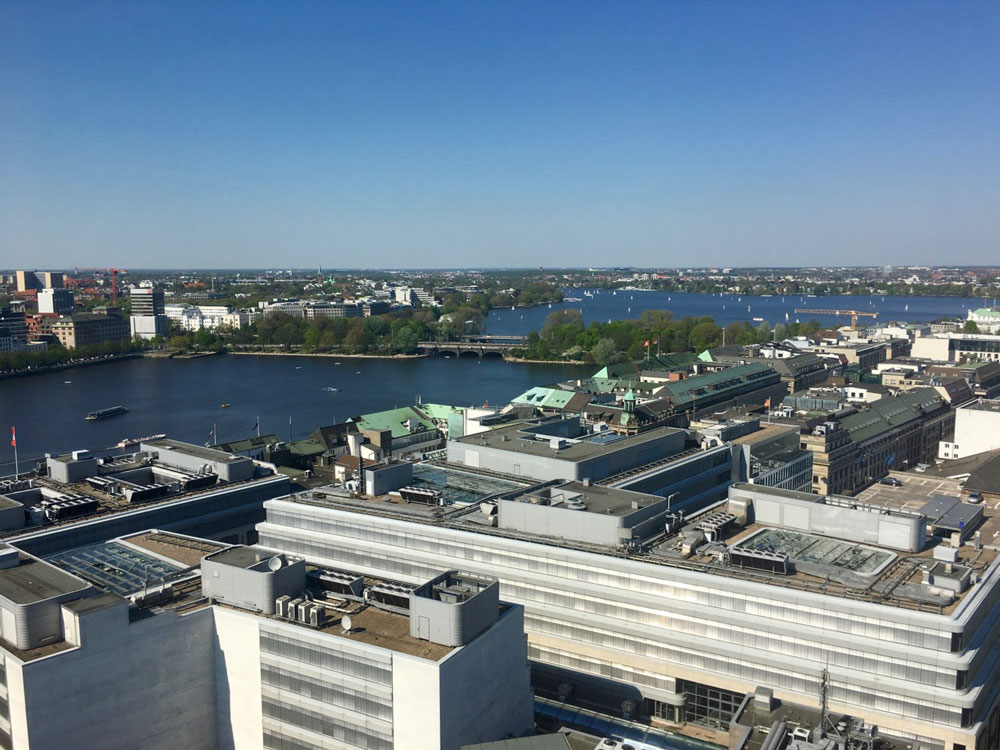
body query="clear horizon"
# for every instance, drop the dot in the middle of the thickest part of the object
(444, 135)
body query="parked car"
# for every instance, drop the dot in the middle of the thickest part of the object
(891, 481)
(975, 497)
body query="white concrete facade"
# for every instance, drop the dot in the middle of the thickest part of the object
(977, 429)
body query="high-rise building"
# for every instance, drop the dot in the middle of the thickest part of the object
(148, 318)
(146, 300)
(13, 330)
(28, 280)
(257, 650)
(56, 300)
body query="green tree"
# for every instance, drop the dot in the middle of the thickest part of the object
(606, 352)
(970, 327)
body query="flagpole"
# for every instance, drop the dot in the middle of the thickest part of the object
(14, 443)
(258, 426)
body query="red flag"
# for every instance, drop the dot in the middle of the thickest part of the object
(13, 437)
(767, 402)
(486, 404)
(647, 343)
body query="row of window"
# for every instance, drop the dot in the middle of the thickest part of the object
(324, 692)
(326, 726)
(326, 658)
(757, 606)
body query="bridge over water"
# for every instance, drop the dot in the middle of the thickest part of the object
(496, 347)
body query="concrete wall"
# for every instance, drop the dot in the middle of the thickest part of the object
(416, 695)
(252, 589)
(474, 709)
(809, 513)
(68, 472)
(389, 478)
(148, 685)
(236, 650)
(453, 623)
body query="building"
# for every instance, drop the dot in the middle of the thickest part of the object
(86, 497)
(56, 300)
(807, 595)
(958, 347)
(563, 449)
(13, 330)
(866, 355)
(771, 457)
(245, 647)
(30, 280)
(146, 300)
(148, 319)
(104, 325)
(987, 319)
(977, 430)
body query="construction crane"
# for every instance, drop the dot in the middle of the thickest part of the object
(114, 279)
(855, 314)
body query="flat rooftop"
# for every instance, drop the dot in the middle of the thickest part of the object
(240, 556)
(183, 550)
(208, 454)
(115, 567)
(870, 573)
(600, 499)
(984, 404)
(35, 581)
(515, 439)
(379, 627)
(765, 433)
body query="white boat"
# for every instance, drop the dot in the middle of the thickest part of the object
(125, 442)
(758, 320)
(748, 308)
(330, 389)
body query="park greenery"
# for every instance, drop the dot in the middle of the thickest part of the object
(25, 360)
(564, 336)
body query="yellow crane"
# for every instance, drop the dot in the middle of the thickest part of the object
(855, 314)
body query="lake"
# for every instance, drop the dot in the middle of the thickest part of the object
(183, 398)
(605, 305)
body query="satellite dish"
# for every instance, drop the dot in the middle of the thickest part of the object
(275, 563)
(345, 623)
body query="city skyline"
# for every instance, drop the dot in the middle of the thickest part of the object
(446, 136)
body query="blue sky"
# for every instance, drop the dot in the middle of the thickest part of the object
(376, 134)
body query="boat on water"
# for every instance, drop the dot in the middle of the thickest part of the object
(224, 406)
(758, 320)
(125, 442)
(330, 389)
(111, 411)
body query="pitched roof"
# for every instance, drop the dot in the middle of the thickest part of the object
(890, 412)
(393, 421)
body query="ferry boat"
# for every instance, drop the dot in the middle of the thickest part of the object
(111, 411)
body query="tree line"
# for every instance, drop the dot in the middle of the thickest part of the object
(564, 336)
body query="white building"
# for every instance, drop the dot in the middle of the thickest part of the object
(210, 317)
(955, 347)
(57, 300)
(257, 650)
(977, 429)
(986, 318)
(687, 624)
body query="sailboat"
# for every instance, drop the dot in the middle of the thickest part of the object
(786, 316)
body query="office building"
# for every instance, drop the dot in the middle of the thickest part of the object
(680, 616)
(771, 457)
(977, 429)
(247, 648)
(56, 300)
(32, 280)
(101, 326)
(148, 319)
(13, 330)
(958, 347)
(146, 300)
